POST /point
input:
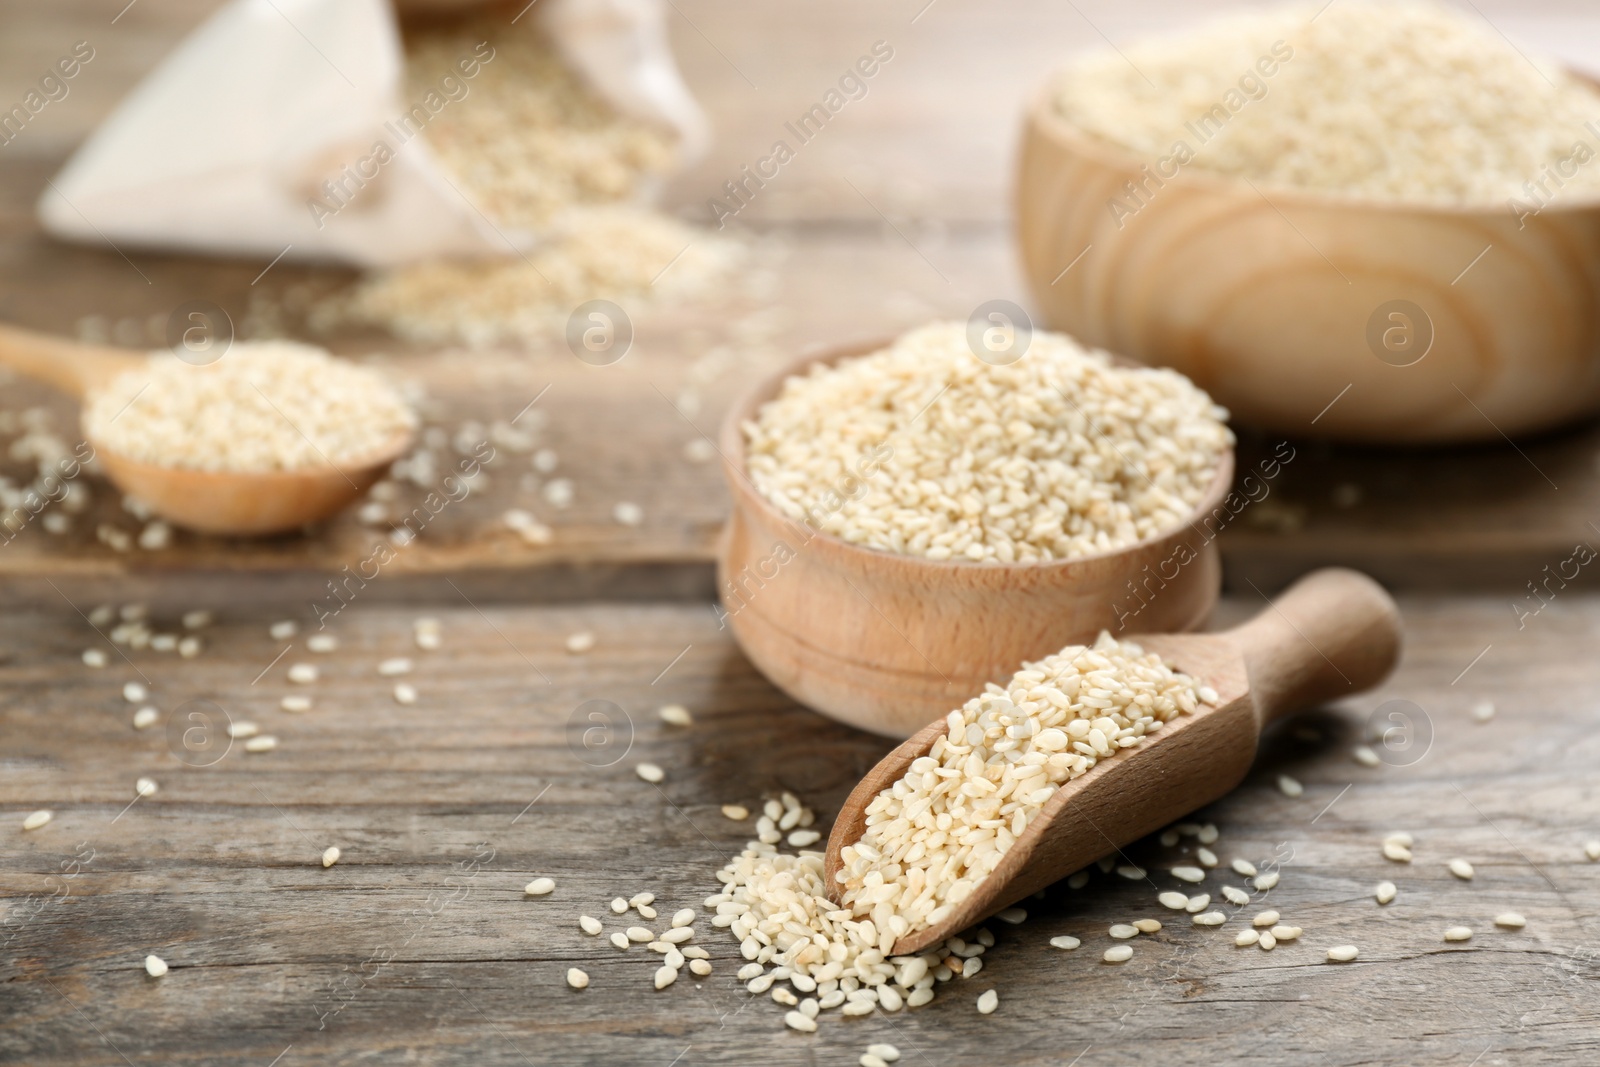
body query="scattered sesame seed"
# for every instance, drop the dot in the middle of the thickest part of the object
(394, 665)
(793, 1020)
(1342, 953)
(665, 976)
(1461, 869)
(302, 674)
(590, 925)
(1264, 882)
(1175, 900)
(1147, 926)
(1118, 954)
(1267, 941)
(295, 703)
(675, 715)
(94, 657)
(134, 693)
(1207, 834)
(620, 940)
(1592, 850)
(242, 729)
(1366, 755)
(155, 966)
(1244, 867)
(405, 693)
(1290, 786)
(1234, 895)
(619, 905)
(989, 1000)
(646, 911)
(1286, 933)
(189, 647)
(628, 513)
(1266, 918)
(802, 838)
(1206, 857)
(322, 643)
(1122, 931)
(1078, 879)
(1399, 837)
(649, 772)
(1246, 937)
(145, 717)
(282, 631)
(1189, 874)
(736, 812)
(700, 966)
(639, 934)
(1483, 711)
(1065, 941)
(1384, 892)
(580, 642)
(1197, 903)
(685, 917)
(1210, 918)
(540, 887)
(37, 819)
(1130, 872)
(1458, 933)
(577, 979)
(264, 743)
(1510, 920)
(869, 1060)
(196, 620)
(1394, 850)
(145, 787)
(1012, 916)
(885, 1052)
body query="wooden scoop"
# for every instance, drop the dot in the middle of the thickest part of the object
(1332, 634)
(220, 502)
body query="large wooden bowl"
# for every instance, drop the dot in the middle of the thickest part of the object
(888, 643)
(1280, 303)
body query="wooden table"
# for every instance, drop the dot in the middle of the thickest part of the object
(420, 943)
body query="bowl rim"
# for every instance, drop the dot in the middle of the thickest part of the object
(731, 444)
(1042, 115)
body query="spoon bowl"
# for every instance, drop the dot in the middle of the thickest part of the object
(1332, 634)
(236, 503)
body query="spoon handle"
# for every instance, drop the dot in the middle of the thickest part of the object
(71, 366)
(1333, 633)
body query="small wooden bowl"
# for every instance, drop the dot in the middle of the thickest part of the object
(1267, 299)
(888, 642)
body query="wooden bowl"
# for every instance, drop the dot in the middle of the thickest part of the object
(888, 642)
(1278, 302)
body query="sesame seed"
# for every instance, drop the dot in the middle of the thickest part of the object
(748, 971)
(322, 643)
(134, 693)
(1147, 926)
(1197, 903)
(1123, 931)
(1206, 857)
(677, 935)
(1118, 954)
(580, 642)
(1012, 916)
(1210, 918)
(1483, 711)
(1394, 850)
(590, 925)
(628, 513)
(869, 1060)
(295, 704)
(1065, 941)
(189, 647)
(242, 729)
(736, 812)
(1265, 918)
(885, 1052)
(1174, 900)
(685, 917)
(649, 772)
(1290, 787)
(263, 743)
(37, 819)
(1384, 892)
(1366, 755)
(989, 1000)
(1342, 953)
(1130, 872)
(1461, 869)
(330, 855)
(302, 674)
(145, 717)
(155, 966)
(1207, 834)
(1264, 882)
(145, 787)
(196, 620)
(701, 967)
(1286, 933)
(639, 934)
(540, 887)
(1458, 933)
(282, 631)
(94, 657)
(1234, 895)
(802, 838)
(1592, 850)
(1189, 874)
(793, 1020)
(1399, 837)
(405, 693)
(1246, 937)
(675, 715)
(619, 905)
(1267, 941)
(1510, 920)
(1244, 867)
(620, 940)
(577, 979)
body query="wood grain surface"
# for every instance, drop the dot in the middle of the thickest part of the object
(419, 943)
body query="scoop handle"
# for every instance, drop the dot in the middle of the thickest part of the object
(1333, 633)
(71, 366)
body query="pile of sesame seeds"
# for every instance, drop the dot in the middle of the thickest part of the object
(925, 449)
(267, 406)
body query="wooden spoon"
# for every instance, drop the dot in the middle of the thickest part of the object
(221, 502)
(1333, 633)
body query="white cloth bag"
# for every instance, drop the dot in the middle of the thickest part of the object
(222, 148)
